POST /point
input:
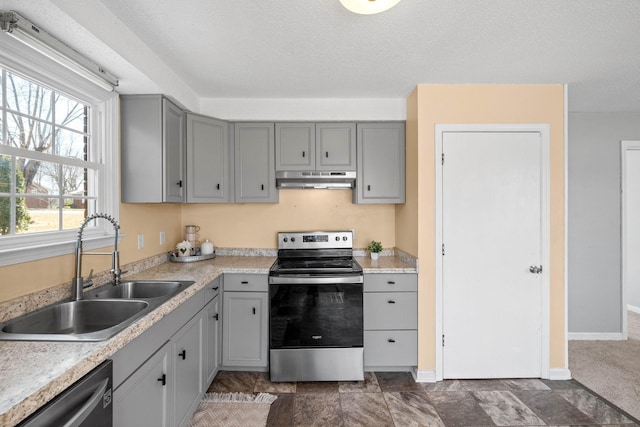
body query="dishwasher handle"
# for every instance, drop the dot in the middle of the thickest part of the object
(89, 405)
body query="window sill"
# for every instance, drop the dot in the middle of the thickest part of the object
(63, 247)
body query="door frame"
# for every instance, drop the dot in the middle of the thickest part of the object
(543, 129)
(625, 146)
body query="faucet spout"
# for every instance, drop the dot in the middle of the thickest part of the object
(77, 283)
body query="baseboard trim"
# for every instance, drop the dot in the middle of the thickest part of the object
(595, 336)
(558, 374)
(424, 376)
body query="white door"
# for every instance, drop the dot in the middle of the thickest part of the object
(630, 229)
(492, 237)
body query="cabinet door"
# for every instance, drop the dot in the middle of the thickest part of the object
(295, 146)
(212, 340)
(336, 146)
(245, 329)
(254, 161)
(173, 150)
(390, 348)
(381, 163)
(207, 160)
(145, 398)
(188, 368)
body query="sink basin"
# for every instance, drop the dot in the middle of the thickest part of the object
(84, 320)
(141, 289)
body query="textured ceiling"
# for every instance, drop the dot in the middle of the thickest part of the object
(317, 49)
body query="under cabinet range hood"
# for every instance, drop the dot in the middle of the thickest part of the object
(343, 180)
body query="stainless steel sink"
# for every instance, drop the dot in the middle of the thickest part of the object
(83, 320)
(140, 289)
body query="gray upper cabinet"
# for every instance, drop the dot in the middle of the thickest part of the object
(255, 180)
(295, 146)
(336, 146)
(208, 166)
(315, 146)
(152, 151)
(381, 163)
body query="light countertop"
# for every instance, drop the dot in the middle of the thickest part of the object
(33, 372)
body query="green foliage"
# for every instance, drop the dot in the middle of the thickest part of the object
(374, 246)
(22, 213)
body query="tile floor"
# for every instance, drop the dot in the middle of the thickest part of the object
(394, 399)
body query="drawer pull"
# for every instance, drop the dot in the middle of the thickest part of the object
(391, 340)
(183, 354)
(215, 288)
(391, 282)
(163, 379)
(254, 310)
(215, 316)
(391, 301)
(244, 282)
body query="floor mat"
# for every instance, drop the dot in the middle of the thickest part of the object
(233, 409)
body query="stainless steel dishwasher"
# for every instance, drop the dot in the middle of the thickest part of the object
(87, 403)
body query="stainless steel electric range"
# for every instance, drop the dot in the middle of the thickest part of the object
(315, 317)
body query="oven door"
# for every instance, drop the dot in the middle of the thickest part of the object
(324, 315)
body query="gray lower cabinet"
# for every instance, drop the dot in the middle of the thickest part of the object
(390, 321)
(255, 180)
(212, 331)
(208, 165)
(187, 346)
(152, 150)
(159, 378)
(245, 321)
(381, 163)
(144, 399)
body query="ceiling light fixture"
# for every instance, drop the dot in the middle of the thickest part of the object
(369, 7)
(38, 39)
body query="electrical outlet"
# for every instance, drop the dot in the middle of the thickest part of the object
(163, 238)
(140, 241)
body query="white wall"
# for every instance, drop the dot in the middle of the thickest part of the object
(308, 109)
(594, 251)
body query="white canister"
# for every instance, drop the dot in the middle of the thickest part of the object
(206, 248)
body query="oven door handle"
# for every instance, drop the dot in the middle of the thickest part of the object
(291, 280)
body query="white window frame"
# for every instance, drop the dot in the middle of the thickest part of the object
(21, 248)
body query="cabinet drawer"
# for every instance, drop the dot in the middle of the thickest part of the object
(246, 282)
(390, 348)
(390, 310)
(212, 289)
(390, 282)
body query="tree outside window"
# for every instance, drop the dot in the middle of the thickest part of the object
(45, 170)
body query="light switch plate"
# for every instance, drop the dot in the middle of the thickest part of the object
(140, 241)
(163, 238)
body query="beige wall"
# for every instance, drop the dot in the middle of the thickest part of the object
(22, 279)
(255, 225)
(227, 225)
(429, 105)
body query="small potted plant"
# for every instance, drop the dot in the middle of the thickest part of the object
(184, 248)
(374, 249)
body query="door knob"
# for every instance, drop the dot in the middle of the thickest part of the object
(535, 269)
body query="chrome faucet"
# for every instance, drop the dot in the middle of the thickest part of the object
(77, 283)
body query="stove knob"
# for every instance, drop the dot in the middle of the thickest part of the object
(344, 238)
(337, 238)
(293, 239)
(286, 240)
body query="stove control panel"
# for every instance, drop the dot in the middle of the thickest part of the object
(316, 240)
